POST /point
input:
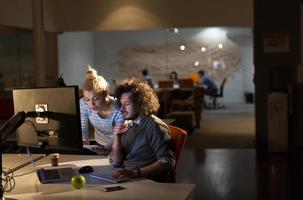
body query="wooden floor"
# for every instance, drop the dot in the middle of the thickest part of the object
(239, 173)
(231, 127)
(236, 174)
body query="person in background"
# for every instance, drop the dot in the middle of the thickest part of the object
(100, 109)
(141, 149)
(147, 78)
(174, 77)
(60, 82)
(208, 83)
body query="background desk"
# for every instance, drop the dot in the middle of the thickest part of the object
(29, 187)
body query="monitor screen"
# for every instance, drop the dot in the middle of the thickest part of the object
(52, 120)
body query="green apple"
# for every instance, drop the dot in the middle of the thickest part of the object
(78, 181)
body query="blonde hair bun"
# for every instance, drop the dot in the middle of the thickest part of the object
(95, 82)
(91, 73)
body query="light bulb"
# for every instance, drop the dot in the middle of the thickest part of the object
(182, 47)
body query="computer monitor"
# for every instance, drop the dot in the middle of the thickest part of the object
(52, 118)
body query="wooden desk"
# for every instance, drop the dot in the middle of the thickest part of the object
(29, 187)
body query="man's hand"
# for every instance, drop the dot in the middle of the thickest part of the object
(123, 173)
(116, 155)
(119, 130)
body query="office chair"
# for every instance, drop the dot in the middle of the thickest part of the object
(218, 95)
(165, 84)
(186, 83)
(178, 138)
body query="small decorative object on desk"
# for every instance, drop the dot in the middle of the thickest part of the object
(78, 181)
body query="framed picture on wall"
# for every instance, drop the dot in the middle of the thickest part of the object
(276, 42)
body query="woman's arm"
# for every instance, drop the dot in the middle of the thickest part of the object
(84, 121)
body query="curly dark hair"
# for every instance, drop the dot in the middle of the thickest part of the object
(143, 96)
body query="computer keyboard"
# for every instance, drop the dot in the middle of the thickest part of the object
(55, 175)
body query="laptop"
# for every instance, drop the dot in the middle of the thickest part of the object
(55, 174)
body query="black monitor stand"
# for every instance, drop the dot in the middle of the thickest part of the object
(6, 130)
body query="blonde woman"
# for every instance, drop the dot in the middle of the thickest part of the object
(100, 109)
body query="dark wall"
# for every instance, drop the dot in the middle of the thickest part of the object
(277, 71)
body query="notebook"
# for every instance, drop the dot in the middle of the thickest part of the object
(108, 177)
(55, 174)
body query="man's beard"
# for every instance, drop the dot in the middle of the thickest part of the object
(133, 117)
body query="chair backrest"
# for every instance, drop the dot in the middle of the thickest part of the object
(186, 83)
(165, 84)
(178, 138)
(222, 87)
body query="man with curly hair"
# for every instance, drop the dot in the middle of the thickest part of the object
(141, 148)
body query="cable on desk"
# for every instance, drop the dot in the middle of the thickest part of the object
(25, 173)
(8, 176)
(9, 182)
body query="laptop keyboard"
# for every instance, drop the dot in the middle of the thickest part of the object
(55, 175)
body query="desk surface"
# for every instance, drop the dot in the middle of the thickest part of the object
(29, 187)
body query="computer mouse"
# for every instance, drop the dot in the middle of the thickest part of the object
(86, 169)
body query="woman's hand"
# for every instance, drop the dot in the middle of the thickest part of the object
(85, 142)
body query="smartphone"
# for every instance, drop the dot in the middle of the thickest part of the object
(113, 188)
